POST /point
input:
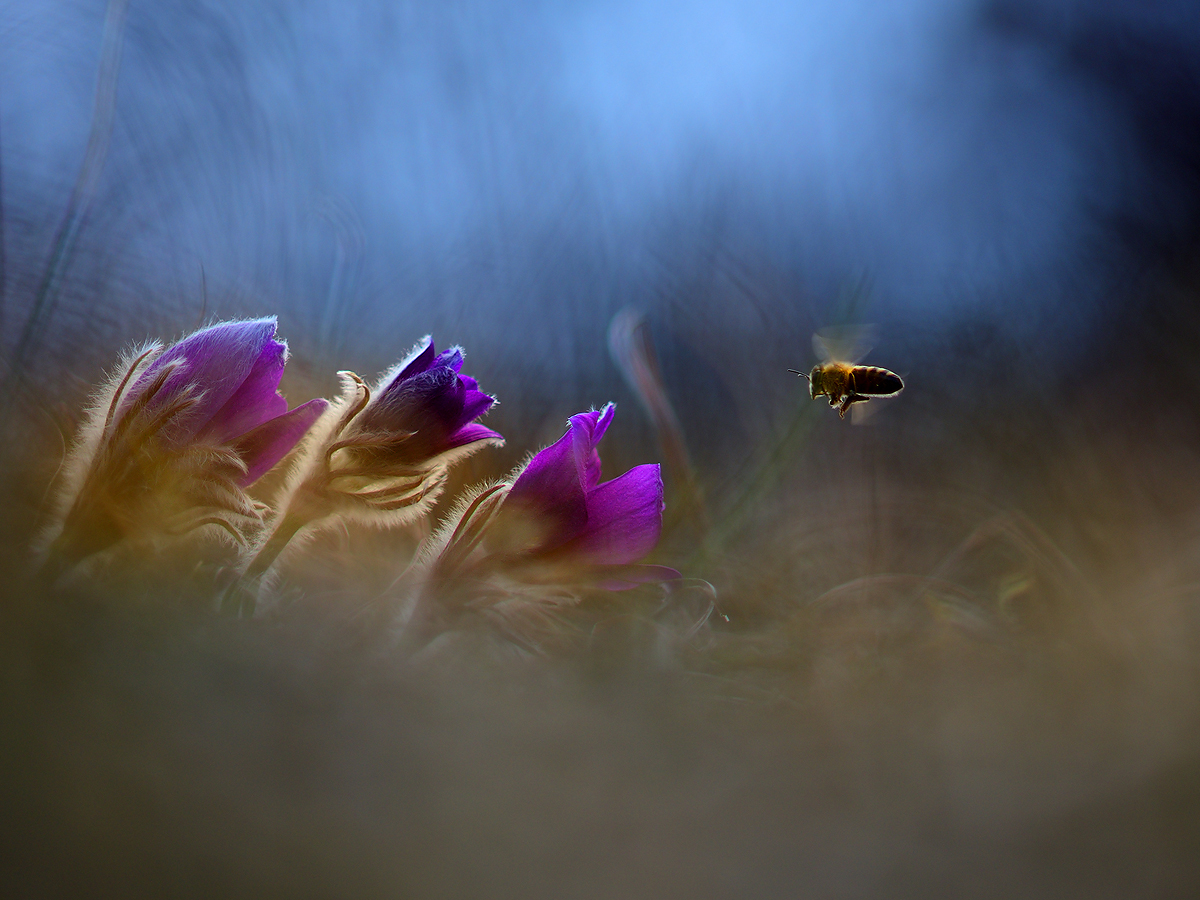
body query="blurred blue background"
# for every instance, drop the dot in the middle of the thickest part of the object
(508, 176)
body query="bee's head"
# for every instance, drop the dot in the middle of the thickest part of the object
(814, 380)
(815, 388)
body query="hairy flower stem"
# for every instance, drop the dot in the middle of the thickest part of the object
(287, 527)
(241, 598)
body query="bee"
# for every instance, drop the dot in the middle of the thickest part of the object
(847, 383)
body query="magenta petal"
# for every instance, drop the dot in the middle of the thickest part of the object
(475, 403)
(548, 490)
(592, 425)
(270, 442)
(587, 429)
(256, 401)
(218, 359)
(624, 518)
(418, 361)
(471, 433)
(450, 359)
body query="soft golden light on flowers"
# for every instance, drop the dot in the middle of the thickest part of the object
(382, 454)
(171, 442)
(523, 550)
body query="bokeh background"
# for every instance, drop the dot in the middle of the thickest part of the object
(953, 648)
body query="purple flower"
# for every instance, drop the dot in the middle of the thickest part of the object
(424, 407)
(558, 524)
(221, 388)
(559, 514)
(383, 454)
(174, 439)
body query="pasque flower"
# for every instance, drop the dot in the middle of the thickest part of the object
(552, 529)
(175, 437)
(382, 455)
(424, 408)
(559, 520)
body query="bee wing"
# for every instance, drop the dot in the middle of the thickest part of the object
(848, 344)
(861, 413)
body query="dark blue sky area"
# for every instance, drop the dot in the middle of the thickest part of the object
(498, 172)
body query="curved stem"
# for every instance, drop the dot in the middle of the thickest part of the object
(286, 528)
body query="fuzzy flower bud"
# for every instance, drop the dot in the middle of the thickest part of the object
(382, 455)
(551, 531)
(175, 437)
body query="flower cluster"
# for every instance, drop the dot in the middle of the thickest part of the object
(179, 434)
(173, 440)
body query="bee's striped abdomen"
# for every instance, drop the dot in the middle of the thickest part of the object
(874, 382)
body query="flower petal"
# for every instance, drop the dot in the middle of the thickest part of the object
(475, 403)
(587, 429)
(270, 442)
(450, 359)
(256, 400)
(624, 519)
(471, 433)
(218, 360)
(546, 506)
(419, 360)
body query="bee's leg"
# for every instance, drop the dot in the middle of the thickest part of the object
(847, 401)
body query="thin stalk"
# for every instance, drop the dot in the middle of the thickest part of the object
(288, 527)
(78, 207)
(241, 597)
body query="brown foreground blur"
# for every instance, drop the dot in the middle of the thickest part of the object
(951, 654)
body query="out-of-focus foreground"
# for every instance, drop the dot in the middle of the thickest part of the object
(952, 650)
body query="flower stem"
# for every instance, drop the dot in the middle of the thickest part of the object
(241, 598)
(281, 535)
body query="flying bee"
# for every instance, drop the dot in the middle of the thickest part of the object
(847, 383)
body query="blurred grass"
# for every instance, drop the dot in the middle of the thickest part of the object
(37, 322)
